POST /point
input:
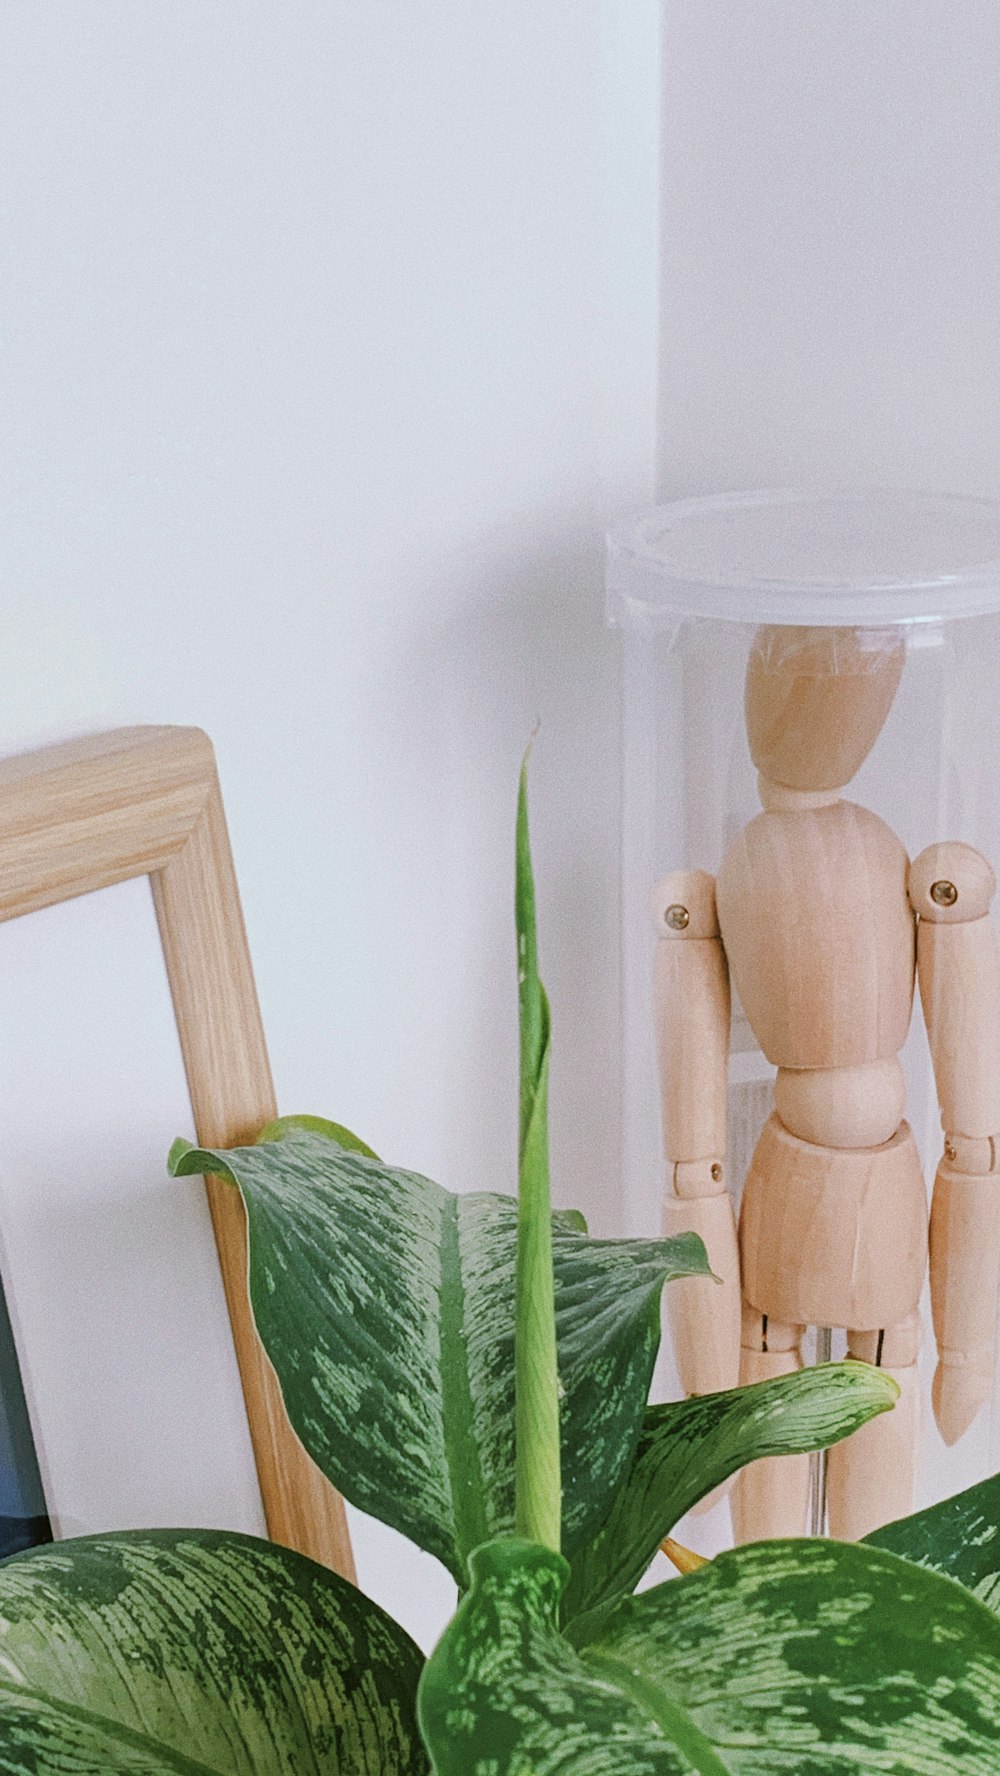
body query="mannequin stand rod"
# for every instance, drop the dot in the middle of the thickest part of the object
(819, 1462)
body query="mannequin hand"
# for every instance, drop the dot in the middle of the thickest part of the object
(962, 1386)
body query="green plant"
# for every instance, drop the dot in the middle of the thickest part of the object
(474, 1370)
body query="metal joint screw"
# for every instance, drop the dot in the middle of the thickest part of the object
(677, 917)
(944, 893)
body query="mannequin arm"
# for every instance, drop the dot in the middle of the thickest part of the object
(958, 962)
(691, 998)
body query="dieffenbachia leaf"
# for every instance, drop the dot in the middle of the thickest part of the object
(316, 1125)
(574, 1219)
(781, 1659)
(386, 1305)
(689, 1447)
(960, 1537)
(198, 1653)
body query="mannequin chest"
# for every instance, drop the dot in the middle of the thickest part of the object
(820, 935)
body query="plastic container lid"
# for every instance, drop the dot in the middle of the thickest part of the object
(792, 556)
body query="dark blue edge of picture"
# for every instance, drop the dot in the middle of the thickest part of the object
(24, 1521)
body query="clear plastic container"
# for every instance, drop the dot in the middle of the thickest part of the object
(698, 589)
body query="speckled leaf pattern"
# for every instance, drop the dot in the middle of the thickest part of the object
(689, 1447)
(782, 1659)
(503, 1694)
(199, 1652)
(316, 1125)
(386, 1305)
(960, 1537)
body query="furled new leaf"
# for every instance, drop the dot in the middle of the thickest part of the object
(782, 1659)
(537, 1481)
(960, 1537)
(386, 1305)
(198, 1653)
(689, 1447)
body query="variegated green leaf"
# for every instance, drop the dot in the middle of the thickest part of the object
(574, 1219)
(782, 1659)
(200, 1653)
(690, 1446)
(386, 1305)
(960, 1537)
(316, 1125)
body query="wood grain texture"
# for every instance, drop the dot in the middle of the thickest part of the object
(692, 1013)
(871, 1475)
(964, 880)
(777, 798)
(820, 935)
(842, 1106)
(704, 1314)
(81, 816)
(895, 1347)
(96, 811)
(965, 1289)
(771, 1497)
(816, 700)
(959, 969)
(834, 1238)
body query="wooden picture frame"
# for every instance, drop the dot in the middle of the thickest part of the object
(146, 801)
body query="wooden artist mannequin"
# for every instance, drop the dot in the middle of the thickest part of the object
(824, 925)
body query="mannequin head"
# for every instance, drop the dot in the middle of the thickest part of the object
(816, 701)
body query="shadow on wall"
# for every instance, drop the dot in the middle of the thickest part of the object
(518, 640)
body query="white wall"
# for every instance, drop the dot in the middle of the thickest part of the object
(328, 336)
(831, 259)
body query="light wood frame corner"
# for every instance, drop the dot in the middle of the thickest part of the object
(146, 801)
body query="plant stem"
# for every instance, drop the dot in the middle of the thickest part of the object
(685, 1559)
(538, 1486)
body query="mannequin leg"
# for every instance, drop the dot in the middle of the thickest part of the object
(771, 1497)
(871, 1475)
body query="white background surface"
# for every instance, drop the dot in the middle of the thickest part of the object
(329, 342)
(831, 261)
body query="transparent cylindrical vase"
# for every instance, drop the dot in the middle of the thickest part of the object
(811, 703)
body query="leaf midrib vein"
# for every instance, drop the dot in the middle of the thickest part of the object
(114, 1728)
(465, 1474)
(680, 1728)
